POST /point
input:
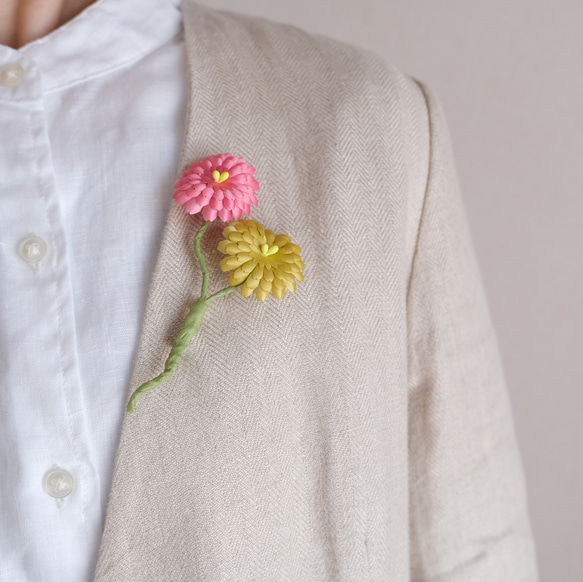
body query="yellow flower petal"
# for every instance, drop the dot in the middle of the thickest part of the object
(222, 246)
(278, 293)
(236, 277)
(244, 257)
(284, 276)
(265, 285)
(291, 269)
(248, 266)
(229, 263)
(256, 275)
(241, 273)
(282, 240)
(277, 283)
(231, 248)
(249, 286)
(239, 225)
(235, 236)
(229, 229)
(287, 250)
(261, 294)
(243, 247)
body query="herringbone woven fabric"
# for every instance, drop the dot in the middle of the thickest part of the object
(358, 429)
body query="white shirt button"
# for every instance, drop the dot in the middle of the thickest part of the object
(32, 249)
(11, 75)
(58, 482)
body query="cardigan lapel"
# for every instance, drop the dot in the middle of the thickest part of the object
(230, 110)
(221, 470)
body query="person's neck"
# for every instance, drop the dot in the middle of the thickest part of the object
(22, 21)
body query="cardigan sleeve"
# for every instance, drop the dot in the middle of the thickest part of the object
(467, 503)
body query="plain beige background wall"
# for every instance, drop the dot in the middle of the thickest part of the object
(510, 77)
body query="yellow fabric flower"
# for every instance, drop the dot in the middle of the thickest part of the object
(263, 262)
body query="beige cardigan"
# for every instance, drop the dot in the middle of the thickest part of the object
(358, 429)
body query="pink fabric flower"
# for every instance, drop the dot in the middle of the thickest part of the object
(220, 185)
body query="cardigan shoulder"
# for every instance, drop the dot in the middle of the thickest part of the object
(301, 55)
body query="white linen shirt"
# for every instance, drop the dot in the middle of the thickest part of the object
(91, 128)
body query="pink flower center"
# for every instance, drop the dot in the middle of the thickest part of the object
(218, 177)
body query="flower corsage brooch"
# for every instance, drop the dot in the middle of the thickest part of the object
(223, 186)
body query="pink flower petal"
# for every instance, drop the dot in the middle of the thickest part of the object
(230, 162)
(181, 197)
(240, 168)
(224, 214)
(192, 207)
(209, 213)
(215, 204)
(207, 193)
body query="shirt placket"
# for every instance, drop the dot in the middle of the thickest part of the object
(49, 485)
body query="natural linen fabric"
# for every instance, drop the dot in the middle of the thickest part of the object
(359, 428)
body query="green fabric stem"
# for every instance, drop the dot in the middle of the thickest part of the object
(200, 258)
(186, 333)
(188, 328)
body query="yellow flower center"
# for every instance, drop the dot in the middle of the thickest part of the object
(267, 250)
(217, 177)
